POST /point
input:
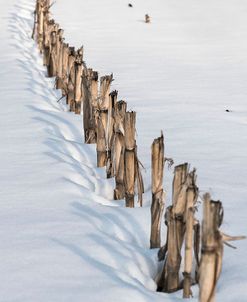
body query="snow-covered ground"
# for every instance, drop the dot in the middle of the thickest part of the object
(62, 237)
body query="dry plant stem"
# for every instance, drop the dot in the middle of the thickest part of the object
(179, 189)
(40, 28)
(191, 192)
(119, 191)
(176, 229)
(46, 39)
(90, 95)
(188, 257)
(46, 55)
(157, 206)
(59, 81)
(111, 134)
(102, 121)
(101, 138)
(79, 55)
(196, 247)
(57, 49)
(47, 43)
(104, 102)
(46, 21)
(64, 76)
(169, 281)
(212, 249)
(78, 87)
(119, 147)
(129, 158)
(65, 60)
(105, 83)
(71, 79)
(92, 131)
(52, 60)
(90, 89)
(227, 238)
(190, 225)
(173, 260)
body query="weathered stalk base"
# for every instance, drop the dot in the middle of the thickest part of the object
(46, 55)
(90, 136)
(129, 175)
(71, 104)
(129, 200)
(157, 208)
(187, 285)
(109, 165)
(184, 199)
(77, 107)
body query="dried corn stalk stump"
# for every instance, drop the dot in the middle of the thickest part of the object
(179, 219)
(212, 248)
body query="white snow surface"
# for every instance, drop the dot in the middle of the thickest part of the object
(62, 236)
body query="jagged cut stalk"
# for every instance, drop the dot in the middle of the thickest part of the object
(119, 146)
(129, 158)
(157, 206)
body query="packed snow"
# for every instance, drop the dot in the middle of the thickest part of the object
(63, 238)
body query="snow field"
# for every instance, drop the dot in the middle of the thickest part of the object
(63, 238)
